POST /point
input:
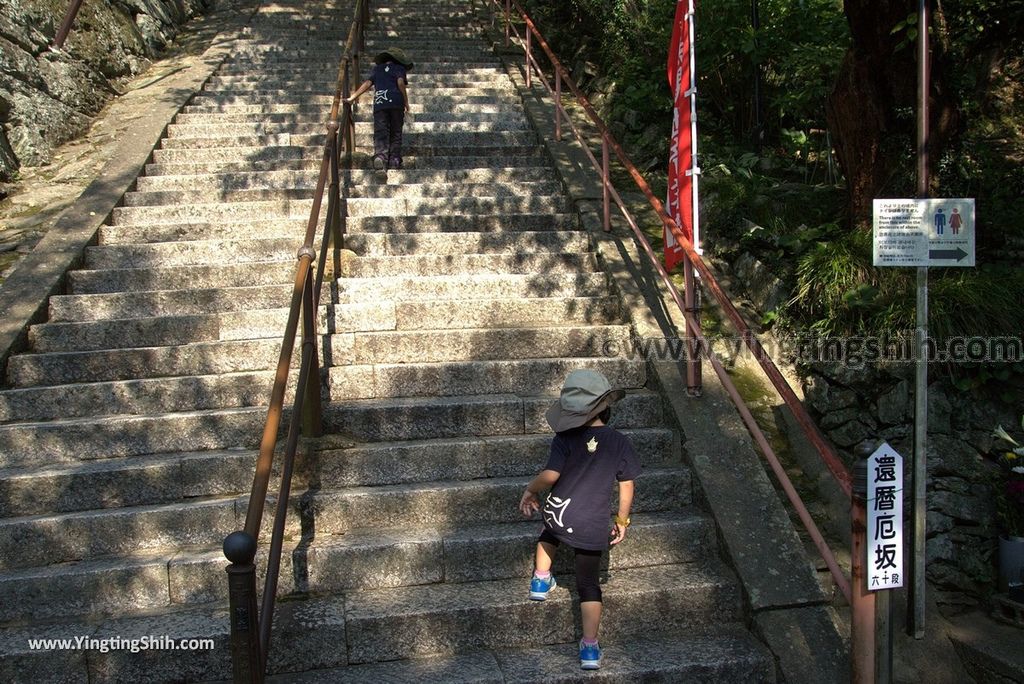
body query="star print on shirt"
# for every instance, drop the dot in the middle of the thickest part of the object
(592, 445)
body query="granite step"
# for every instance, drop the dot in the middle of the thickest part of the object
(325, 564)
(498, 177)
(316, 137)
(70, 441)
(168, 478)
(725, 654)
(45, 540)
(482, 286)
(318, 116)
(302, 188)
(445, 503)
(385, 624)
(297, 648)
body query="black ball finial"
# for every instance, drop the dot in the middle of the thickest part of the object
(240, 547)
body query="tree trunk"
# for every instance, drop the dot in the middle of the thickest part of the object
(870, 110)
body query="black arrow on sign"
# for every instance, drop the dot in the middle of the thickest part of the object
(957, 254)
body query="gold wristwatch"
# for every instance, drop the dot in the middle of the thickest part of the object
(622, 521)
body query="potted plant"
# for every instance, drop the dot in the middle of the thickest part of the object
(1010, 509)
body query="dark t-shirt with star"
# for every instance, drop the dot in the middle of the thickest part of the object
(385, 77)
(589, 461)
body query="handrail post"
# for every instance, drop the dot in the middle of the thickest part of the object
(691, 296)
(246, 660)
(312, 425)
(862, 601)
(529, 54)
(66, 24)
(558, 104)
(605, 182)
(508, 21)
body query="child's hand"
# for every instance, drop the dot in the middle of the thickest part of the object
(618, 534)
(529, 503)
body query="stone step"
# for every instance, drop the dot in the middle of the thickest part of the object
(45, 540)
(228, 230)
(174, 477)
(526, 158)
(234, 75)
(471, 68)
(494, 82)
(477, 313)
(30, 445)
(301, 208)
(491, 500)
(146, 304)
(385, 624)
(322, 109)
(140, 396)
(453, 244)
(183, 277)
(371, 559)
(499, 177)
(470, 264)
(414, 141)
(414, 379)
(229, 356)
(317, 116)
(190, 253)
(424, 225)
(437, 100)
(158, 331)
(411, 130)
(296, 647)
(485, 286)
(203, 358)
(303, 188)
(725, 654)
(252, 388)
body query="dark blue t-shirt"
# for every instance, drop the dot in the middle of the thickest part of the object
(589, 461)
(386, 94)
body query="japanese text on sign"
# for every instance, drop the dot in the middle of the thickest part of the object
(885, 519)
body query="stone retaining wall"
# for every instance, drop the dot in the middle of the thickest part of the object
(49, 96)
(877, 402)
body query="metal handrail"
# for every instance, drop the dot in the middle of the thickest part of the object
(66, 24)
(251, 627)
(836, 467)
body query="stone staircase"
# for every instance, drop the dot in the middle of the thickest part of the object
(129, 428)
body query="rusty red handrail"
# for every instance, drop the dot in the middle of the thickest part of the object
(810, 430)
(251, 626)
(66, 24)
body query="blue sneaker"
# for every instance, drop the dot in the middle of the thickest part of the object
(540, 588)
(590, 656)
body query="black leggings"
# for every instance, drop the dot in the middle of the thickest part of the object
(588, 566)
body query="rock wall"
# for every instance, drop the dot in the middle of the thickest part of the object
(49, 96)
(877, 402)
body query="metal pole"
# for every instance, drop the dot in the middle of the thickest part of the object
(558, 104)
(693, 379)
(605, 181)
(240, 549)
(508, 19)
(862, 603)
(65, 26)
(529, 54)
(755, 24)
(915, 623)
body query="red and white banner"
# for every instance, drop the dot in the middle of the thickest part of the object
(681, 204)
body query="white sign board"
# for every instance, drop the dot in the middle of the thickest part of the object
(923, 232)
(885, 519)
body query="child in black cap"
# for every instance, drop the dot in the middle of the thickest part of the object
(587, 458)
(390, 103)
